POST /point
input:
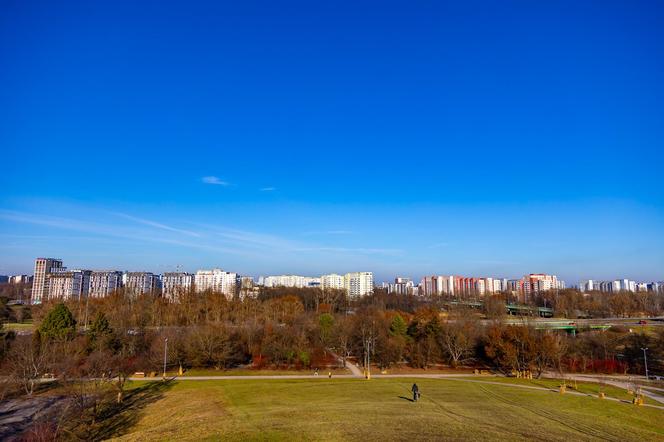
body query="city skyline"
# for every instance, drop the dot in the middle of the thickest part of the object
(301, 280)
(405, 141)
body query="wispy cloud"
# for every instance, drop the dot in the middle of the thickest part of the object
(215, 180)
(147, 222)
(108, 230)
(220, 239)
(267, 189)
(328, 232)
(362, 250)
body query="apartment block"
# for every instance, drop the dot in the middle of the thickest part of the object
(43, 268)
(291, 281)
(217, 280)
(68, 284)
(332, 281)
(104, 282)
(358, 284)
(175, 283)
(140, 283)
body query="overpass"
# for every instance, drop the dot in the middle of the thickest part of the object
(511, 309)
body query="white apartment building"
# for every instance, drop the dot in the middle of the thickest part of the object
(20, 279)
(217, 280)
(332, 282)
(104, 282)
(43, 268)
(140, 283)
(291, 281)
(175, 283)
(401, 286)
(68, 284)
(358, 284)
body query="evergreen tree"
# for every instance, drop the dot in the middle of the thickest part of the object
(59, 323)
(398, 326)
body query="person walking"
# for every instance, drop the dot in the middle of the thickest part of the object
(416, 392)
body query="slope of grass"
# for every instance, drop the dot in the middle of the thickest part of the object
(353, 409)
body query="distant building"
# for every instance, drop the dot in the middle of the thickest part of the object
(217, 280)
(619, 285)
(176, 283)
(68, 284)
(291, 281)
(4, 279)
(20, 279)
(248, 288)
(43, 268)
(461, 286)
(105, 282)
(401, 286)
(140, 283)
(332, 282)
(358, 284)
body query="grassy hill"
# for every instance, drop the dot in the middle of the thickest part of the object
(355, 409)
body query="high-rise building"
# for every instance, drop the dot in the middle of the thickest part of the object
(140, 283)
(43, 268)
(4, 279)
(68, 284)
(176, 283)
(104, 282)
(358, 284)
(217, 280)
(332, 282)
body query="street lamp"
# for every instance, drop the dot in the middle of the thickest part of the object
(645, 361)
(165, 355)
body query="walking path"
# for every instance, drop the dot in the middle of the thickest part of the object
(349, 365)
(624, 384)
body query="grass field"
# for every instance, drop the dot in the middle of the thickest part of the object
(356, 409)
(251, 372)
(18, 326)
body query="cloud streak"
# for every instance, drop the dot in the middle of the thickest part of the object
(214, 181)
(147, 222)
(328, 232)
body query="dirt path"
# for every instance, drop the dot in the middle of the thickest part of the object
(624, 384)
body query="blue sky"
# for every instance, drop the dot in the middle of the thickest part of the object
(489, 138)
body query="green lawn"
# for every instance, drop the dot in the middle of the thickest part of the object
(18, 326)
(380, 409)
(249, 372)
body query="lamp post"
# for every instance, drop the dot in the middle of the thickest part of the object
(645, 360)
(165, 355)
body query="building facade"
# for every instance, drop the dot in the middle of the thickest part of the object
(68, 284)
(141, 283)
(43, 268)
(401, 286)
(105, 282)
(332, 282)
(217, 280)
(291, 281)
(358, 284)
(20, 279)
(176, 283)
